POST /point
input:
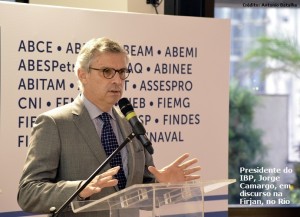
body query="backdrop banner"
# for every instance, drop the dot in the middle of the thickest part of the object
(178, 86)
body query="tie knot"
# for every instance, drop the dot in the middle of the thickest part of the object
(105, 117)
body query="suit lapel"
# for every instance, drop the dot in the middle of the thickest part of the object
(132, 147)
(87, 129)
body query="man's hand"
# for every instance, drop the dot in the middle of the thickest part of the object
(103, 180)
(178, 171)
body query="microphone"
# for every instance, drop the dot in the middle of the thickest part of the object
(137, 126)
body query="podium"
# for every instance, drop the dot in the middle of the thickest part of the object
(156, 199)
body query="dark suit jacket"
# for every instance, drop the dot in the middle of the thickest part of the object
(64, 150)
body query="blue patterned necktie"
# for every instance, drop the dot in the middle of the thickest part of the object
(110, 144)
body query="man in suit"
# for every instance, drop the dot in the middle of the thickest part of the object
(66, 144)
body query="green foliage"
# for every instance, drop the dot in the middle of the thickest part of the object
(245, 146)
(295, 196)
(295, 189)
(297, 174)
(273, 55)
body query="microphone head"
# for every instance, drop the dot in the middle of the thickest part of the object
(125, 106)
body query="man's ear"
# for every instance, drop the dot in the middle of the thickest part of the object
(82, 75)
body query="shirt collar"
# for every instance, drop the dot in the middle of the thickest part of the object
(93, 110)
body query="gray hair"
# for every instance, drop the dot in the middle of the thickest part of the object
(93, 48)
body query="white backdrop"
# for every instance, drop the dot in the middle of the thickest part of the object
(38, 50)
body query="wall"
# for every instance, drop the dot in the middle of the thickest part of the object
(138, 6)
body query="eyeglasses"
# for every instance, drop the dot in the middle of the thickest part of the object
(109, 73)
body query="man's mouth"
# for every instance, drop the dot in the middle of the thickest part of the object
(115, 91)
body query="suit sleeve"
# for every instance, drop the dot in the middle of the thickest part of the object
(38, 187)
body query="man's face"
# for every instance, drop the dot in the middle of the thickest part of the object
(103, 92)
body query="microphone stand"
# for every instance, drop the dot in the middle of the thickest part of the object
(55, 212)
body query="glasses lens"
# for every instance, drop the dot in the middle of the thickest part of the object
(108, 72)
(124, 73)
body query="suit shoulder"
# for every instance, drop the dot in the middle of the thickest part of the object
(61, 112)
